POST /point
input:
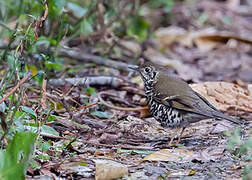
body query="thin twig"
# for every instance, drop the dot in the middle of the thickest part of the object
(87, 106)
(65, 104)
(5, 26)
(43, 99)
(39, 21)
(120, 146)
(116, 107)
(28, 75)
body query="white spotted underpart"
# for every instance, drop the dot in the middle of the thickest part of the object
(167, 116)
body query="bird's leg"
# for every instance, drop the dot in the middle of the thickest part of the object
(181, 133)
(173, 136)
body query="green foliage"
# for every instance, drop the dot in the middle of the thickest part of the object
(51, 118)
(44, 129)
(167, 5)
(91, 92)
(86, 27)
(43, 145)
(138, 27)
(133, 151)
(247, 172)
(54, 65)
(30, 112)
(239, 148)
(15, 158)
(56, 8)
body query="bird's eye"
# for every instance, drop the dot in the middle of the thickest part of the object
(147, 69)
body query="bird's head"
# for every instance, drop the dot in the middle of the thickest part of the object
(148, 71)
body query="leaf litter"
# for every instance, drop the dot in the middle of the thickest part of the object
(121, 144)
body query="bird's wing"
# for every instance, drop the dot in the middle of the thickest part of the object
(195, 104)
(183, 102)
(205, 101)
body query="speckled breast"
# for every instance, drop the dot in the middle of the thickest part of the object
(167, 116)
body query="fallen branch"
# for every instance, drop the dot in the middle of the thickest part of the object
(89, 81)
(79, 55)
(84, 57)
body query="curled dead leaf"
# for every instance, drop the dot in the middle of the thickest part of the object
(174, 155)
(107, 170)
(205, 39)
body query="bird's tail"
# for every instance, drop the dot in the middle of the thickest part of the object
(221, 115)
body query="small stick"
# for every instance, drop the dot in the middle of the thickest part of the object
(87, 106)
(116, 107)
(43, 99)
(28, 75)
(120, 146)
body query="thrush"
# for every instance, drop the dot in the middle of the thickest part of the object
(172, 101)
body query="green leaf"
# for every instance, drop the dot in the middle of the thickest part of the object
(39, 77)
(91, 91)
(49, 131)
(44, 146)
(15, 158)
(51, 118)
(56, 7)
(86, 27)
(77, 10)
(134, 151)
(82, 163)
(30, 112)
(45, 130)
(2, 106)
(46, 41)
(52, 65)
(102, 114)
(138, 27)
(167, 5)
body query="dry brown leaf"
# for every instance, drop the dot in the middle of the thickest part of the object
(227, 97)
(169, 35)
(107, 169)
(174, 155)
(205, 39)
(210, 154)
(75, 167)
(179, 173)
(205, 44)
(131, 45)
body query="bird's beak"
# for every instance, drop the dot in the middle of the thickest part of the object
(134, 67)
